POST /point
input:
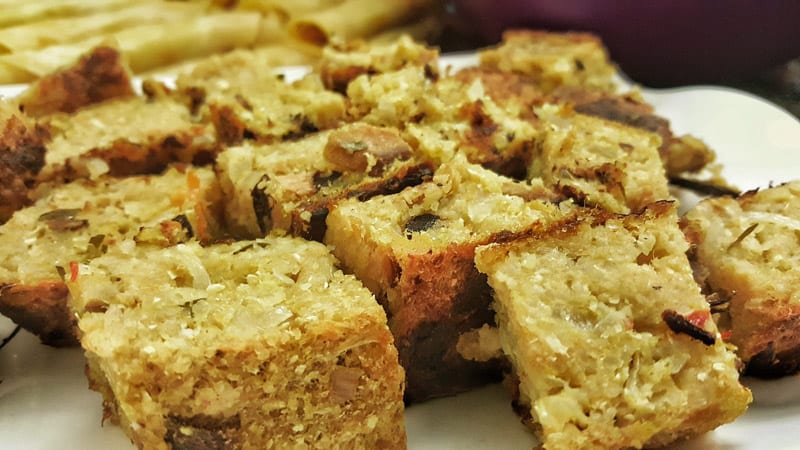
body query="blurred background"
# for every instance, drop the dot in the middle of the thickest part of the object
(748, 44)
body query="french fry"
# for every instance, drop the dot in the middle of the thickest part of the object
(64, 30)
(354, 19)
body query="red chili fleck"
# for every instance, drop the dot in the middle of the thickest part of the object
(73, 271)
(726, 335)
(698, 318)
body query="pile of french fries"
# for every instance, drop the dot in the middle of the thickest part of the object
(39, 36)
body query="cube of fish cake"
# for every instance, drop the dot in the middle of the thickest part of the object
(609, 336)
(553, 59)
(447, 115)
(747, 258)
(248, 100)
(600, 163)
(342, 63)
(414, 250)
(680, 154)
(124, 137)
(260, 344)
(292, 186)
(79, 221)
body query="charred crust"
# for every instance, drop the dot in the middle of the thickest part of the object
(41, 309)
(202, 432)
(196, 96)
(97, 77)
(408, 177)
(421, 222)
(185, 224)
(154, 89)
(230, 130)
(262, 204)
(681, 325)
(479, 144)
(482, 124)
(703, 187)
(626, 112)
(505, 87)
(771, 364)
(322, 180)
(434, 368)
(126, 158)
(608, 174)
(443, 297)
(315, 230)
(304, 127)
(21, 158)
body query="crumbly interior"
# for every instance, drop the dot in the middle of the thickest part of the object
(243, 167)
(263, 344)
(746, 254)
(137, 123)
(466, 204)
(77, 221)
(603, 163)
(565, 59)
(585, 330)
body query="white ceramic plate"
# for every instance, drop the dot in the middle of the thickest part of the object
(45, 403)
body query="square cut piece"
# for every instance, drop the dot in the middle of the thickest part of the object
(260, 344)
(746, 252)
(244, 97)
(292, 186)
(414, 250)
(124, 137)
(79, 221)
(553, 59)
(444, 116)
(600, 163)
(608, 334)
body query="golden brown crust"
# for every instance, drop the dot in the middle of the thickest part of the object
(553, 59)
(444, 297)
(308, 218)
(21, 158)
(743, 251)
(95, 140)
(559, 341)
(770, 343)
(279, 349)
(95, 78)
(505, 87)
(680, 154)
(41, 309)
(479, 144)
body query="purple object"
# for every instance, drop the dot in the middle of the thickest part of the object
(659, 42)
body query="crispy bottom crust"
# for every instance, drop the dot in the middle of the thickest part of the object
(41, 309)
